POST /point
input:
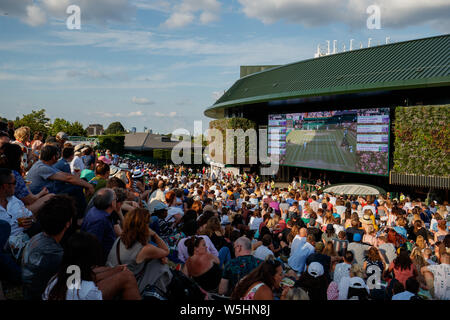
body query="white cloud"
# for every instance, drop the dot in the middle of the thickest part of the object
(35, 12)
(35, 16)
(179, 19)
(156, 5)
(141, 101)
(184, 13)
(104, 114)
(136, 114)
(164, 115)
(394, 13)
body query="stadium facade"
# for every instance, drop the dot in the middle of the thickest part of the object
(336, 113)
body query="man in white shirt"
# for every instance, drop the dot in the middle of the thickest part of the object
(299, 239)
(314, 204)
(263, 251)
(297, 260)
(12, 209)
(77, 164)
(441, 277)
(158, 194)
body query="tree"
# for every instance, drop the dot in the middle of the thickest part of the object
(72, 129)
(36, 120)
(58, 126)
(114, 128)
(77, 129)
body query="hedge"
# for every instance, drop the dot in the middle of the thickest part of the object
(422, 140)
(233, 123)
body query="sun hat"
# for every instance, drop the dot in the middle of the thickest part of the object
(137, 174)
(315, 269)
(113, 170)
(79, 147)
(366, 219)
(104, 159)
(124, 167)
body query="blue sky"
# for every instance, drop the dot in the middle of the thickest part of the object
(160, 63)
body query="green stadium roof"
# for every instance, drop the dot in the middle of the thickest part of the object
(403, 65)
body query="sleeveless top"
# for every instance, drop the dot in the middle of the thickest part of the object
(251, 294)
(210, 280)
(149, 272)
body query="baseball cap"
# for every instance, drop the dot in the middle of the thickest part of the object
(357, 237)
(330, 226)
(315, 269)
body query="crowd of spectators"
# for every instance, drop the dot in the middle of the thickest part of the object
(140, 231)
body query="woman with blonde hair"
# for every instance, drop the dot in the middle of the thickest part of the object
(328, 218)
(22, 136)
(197, 207)
(370, 236)
(295, 230)
(419, 262)
(420, 242)
(148, 262)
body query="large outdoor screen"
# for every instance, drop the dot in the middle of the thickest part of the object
(349, 140)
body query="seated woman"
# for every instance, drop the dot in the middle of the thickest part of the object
(12, 160)
(147, 262)
(97, 283)
(260, 283)
(174, 213)
(201, 265)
